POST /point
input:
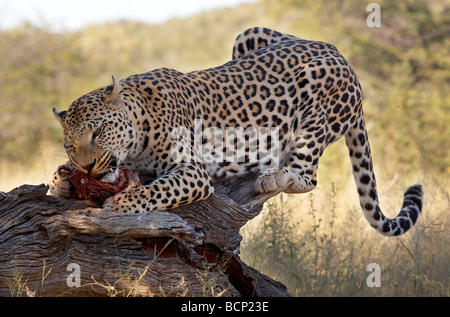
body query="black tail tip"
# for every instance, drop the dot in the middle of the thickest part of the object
(415, 193)
(415, 190)
(414, 200)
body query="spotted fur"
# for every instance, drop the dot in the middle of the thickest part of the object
(305, 89)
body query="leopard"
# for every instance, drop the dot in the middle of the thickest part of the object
(273, 108)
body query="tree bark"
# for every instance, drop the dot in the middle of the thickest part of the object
(61, 247)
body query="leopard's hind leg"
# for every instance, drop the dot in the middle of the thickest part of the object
(301, 173)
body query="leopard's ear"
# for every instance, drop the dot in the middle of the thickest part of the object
(112, 93)
(60, 115)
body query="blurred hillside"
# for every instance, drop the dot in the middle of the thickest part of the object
(403, 67)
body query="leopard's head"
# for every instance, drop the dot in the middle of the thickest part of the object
(97, 133)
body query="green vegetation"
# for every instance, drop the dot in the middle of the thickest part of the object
(314, 244)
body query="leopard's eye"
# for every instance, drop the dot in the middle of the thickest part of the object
(97, 132)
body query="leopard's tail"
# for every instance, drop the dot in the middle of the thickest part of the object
(361, 159)
(255, 38)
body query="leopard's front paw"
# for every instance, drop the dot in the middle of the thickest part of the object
(114, 203)
(125, 202)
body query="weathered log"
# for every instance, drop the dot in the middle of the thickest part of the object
(61, 247)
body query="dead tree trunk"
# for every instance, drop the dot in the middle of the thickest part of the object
(59, 247)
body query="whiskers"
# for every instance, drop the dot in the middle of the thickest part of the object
(106, 163)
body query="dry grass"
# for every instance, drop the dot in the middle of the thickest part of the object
(326, 251)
